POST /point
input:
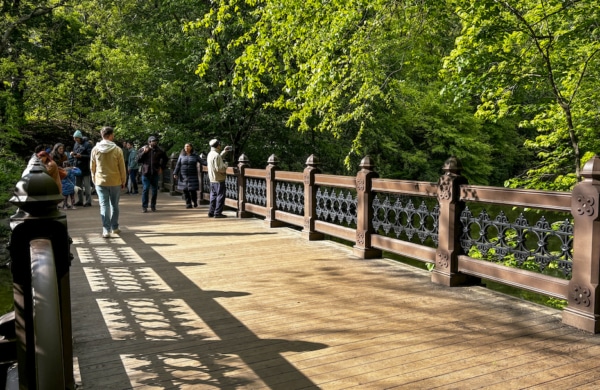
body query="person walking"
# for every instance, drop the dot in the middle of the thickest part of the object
(217, 169)
(153, 160)
(81, 159)
(109, 174)
(132, 170)
(186, 174)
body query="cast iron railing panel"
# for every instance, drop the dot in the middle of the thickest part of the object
(231, 187)
(256, 191)
(499, 240)
(398, 214)
(336, 207)
(289, 197)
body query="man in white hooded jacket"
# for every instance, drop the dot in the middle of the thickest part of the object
(109, 175)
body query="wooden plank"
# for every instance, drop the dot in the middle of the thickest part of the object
(181, 300)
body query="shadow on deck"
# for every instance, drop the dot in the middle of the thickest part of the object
(182, 301)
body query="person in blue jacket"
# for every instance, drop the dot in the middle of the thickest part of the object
(68, 186)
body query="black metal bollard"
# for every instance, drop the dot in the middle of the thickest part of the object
(37, 196)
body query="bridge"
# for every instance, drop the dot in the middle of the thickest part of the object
(266, 298)
(180, 300)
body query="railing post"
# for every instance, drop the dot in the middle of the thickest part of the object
(201, 175)
(37, 195)
(310, 199)
(583, 308)
(272, 192)
(364, 211)
(446, 259)
(243, 163)
(168, 176)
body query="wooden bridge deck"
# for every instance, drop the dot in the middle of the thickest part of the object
(181, 301)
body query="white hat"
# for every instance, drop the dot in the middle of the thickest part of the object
(214, 143)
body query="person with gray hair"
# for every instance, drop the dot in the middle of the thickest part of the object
(217, 169)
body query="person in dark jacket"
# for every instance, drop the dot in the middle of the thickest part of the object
(81, 152)
(186, 174)
(152, 160)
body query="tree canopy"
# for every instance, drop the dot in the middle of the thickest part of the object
(508, 87)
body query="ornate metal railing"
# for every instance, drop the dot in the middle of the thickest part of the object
(289, 197)
(537, 246)
(435, 223)
(397, 216)
(337, 206)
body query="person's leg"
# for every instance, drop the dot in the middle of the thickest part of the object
(213, 199)
(73, 201)
(194, 195)
(105, 209)
(145, 189)
(154, 185)
(79, 183)
(188, 198)
(220, 199)
(88, 190)
(133, 181)
(65, 202)
(115, 195)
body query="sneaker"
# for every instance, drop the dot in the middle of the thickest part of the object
(73, 207)
(195, 204)
(116, 231)
(220, 216)
(153, 208)
(188, 206)
(78, 204)
(87, 205)
(144, 210)
(211, 215)
(106, 235)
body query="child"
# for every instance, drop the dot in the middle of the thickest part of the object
(68, 185)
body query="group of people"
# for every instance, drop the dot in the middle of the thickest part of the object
(111, 169)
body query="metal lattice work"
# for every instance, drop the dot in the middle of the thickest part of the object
(499, 240)
(335, 207)
(256, 191)
(290, 197)
(402, 217)
(231, 187)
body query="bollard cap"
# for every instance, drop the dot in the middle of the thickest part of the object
(36, 191)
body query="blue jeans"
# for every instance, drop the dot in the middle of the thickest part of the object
(108, 197)
(217, 198)
(147, 183)
(133, 180)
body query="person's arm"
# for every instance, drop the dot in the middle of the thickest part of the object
(177, 168)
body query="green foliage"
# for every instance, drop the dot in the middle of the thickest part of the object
(536, 61)
(11, 168)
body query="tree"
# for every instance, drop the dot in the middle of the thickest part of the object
(537, 61)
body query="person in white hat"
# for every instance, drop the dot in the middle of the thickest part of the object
(217, 169)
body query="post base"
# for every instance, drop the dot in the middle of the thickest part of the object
(272, 223)
(312, 236)
(453, 279)
(585, 321)
(366, 253)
